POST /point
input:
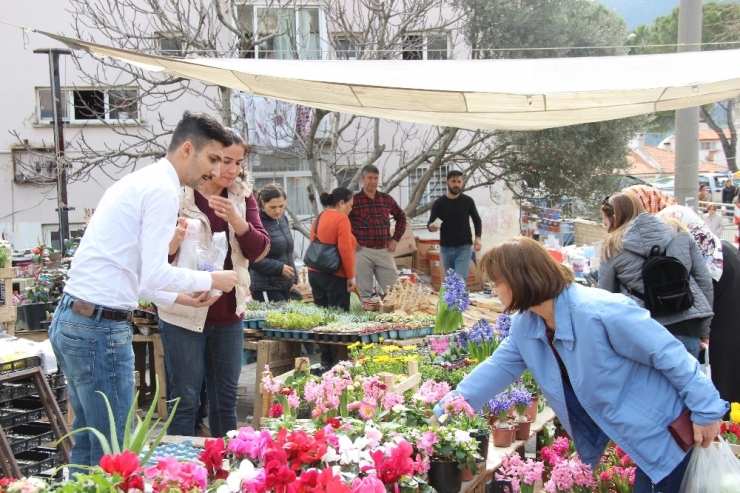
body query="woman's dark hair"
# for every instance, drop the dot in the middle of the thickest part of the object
(199, 129)
(268, 192)
(337, 195)
(526, 268)
(239, 140)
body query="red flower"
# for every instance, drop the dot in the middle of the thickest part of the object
(276, 411)
(126, 465)
(390, 469)
(313, 481)
(304, 449)
(334, 422)
(213, 459)
(5, 482)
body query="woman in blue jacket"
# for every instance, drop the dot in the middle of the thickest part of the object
(607, 369)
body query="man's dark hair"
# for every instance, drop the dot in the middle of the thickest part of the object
(454, 172)
(199, 129)
(369, 168)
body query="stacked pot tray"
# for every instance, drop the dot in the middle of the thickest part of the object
(21, 415)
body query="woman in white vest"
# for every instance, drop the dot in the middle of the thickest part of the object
(207, 342)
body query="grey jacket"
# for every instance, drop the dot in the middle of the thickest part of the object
(645, 231)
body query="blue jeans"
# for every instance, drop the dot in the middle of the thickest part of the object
(189, 356)
(692, 344)
(96, 356)
(457, 258)
(669, 484)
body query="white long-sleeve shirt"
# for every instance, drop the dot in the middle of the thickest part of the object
(123, 254)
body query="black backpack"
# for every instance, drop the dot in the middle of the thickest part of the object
(666, 282)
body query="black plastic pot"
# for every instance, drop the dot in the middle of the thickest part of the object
(482, 444)
(29, 317)
(445, 476)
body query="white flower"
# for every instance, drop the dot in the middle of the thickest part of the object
(462, 436)
(353, 453)
(331, 455)
(373, 435)
(232, 433)
(246, 472)
(399, 408)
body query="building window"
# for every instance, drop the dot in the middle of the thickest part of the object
(169, 46)
(706, 146)
(344, 177)
(34, 165)
(344, 48)
(427, 46)
(82, 105)
(436, 187)
(289, 171)
(299, 32)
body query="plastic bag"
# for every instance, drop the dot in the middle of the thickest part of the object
(188, 255)
(714, 469)
(212, 259)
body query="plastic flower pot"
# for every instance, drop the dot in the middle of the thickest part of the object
(483, 439)
(502, 437)
(375, 337)
(365, 338)
(522, 431)
(393, 334)
(445, 476)
(532, 409)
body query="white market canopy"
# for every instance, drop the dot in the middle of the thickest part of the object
(524, 94)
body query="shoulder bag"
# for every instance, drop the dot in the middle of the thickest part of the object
(321, 256)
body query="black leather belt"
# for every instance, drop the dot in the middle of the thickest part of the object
(86, 309)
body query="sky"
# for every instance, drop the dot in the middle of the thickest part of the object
(637, 12)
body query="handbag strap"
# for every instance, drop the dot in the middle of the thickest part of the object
(316, 227)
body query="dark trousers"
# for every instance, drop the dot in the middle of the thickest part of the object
(271, 295)
(329, 291)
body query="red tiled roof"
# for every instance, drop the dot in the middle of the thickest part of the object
(711, 135)
(666, 160)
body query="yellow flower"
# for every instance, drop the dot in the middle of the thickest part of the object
(380, 339)
(735, 412)
(409, 348)
(354, 345)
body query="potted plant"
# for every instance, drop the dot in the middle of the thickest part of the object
(503, 431)
(453, 301)
(459, 414)
(449, 450)
(531, 385)
(521, 398)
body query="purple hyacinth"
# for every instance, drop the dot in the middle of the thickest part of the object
(503, 325)
(481, 331)
(500, 403)
(520, 395)
(455, 294)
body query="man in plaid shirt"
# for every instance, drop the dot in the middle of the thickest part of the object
(370, 218)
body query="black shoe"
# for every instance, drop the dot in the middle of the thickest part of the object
(320, 370)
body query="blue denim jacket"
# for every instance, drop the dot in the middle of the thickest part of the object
(628, 372)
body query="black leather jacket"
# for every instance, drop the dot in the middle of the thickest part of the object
(267, 274)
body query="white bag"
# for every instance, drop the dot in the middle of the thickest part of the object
(212, 259)
(187, 258)
(705, 368)
(714, 469)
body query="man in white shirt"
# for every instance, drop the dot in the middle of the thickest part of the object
(122, 257)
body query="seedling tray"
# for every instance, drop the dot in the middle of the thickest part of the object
(20, 364)
(25, 437)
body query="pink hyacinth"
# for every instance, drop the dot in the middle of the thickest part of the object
(270, 384)
(391, 399)
(373, 387)
(294, 401)
(432, 392)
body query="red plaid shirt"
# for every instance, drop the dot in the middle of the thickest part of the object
(371, 222)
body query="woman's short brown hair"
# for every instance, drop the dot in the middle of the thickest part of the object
(531, 274)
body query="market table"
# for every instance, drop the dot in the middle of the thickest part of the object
(496, 454)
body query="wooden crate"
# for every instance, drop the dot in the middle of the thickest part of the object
(281, 356)
(8, 311)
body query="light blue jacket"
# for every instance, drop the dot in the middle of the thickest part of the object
(628, 372)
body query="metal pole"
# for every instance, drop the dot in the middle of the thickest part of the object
(686, 187)
(61, 166)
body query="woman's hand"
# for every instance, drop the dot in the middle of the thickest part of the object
(224, 209)
(705, 434)
(229, 212)
(351, 283)
(288, 271)
(176, 241)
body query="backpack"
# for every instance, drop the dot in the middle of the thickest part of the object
(666, 282)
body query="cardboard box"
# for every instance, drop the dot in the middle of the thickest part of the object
(422, 261)
(407, 245)
(474, 280)
(405, 262)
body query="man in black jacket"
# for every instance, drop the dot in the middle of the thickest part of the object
(454, 211)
